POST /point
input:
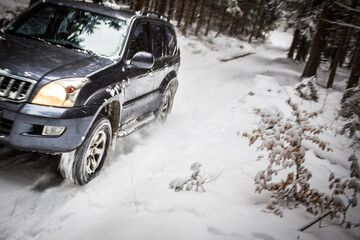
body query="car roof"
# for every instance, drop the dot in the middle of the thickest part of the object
(115, 12)
(119, 13)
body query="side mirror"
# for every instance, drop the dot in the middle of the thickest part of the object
(142, 60)
(4, 22)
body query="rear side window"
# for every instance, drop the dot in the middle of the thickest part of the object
(139, 40)
(158, 41)
(170, 41)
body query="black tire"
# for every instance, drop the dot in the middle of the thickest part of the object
(165, 106)
(85, 163)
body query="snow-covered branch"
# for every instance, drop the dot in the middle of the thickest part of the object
(347, 7)
(343, 24)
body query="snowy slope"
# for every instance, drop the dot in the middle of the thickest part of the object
(131, 199)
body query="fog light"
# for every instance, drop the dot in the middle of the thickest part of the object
(52, 130)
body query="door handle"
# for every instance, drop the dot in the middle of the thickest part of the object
(124, 83)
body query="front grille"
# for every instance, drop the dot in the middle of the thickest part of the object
(5, 126)
(15, 89)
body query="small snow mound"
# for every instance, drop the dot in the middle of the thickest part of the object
(265, 85)
(270, 111)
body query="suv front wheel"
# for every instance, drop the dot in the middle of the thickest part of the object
(85, 162)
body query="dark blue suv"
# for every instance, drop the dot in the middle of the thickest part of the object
(75, 76)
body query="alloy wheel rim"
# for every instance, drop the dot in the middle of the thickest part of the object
(95, 152)
(164, 108)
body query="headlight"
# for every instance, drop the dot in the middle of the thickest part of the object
(60, 93)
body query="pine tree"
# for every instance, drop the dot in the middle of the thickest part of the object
(162, 6)
(294, 44)
(355, 72)
(256, 20)
(318, 42)
(139, 5)
(210, 17)
(171, 9)
(200, 18)
(303, 49)
(188, 17)
(340, 46)
(180, 11)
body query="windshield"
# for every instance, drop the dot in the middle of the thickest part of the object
(72, 28)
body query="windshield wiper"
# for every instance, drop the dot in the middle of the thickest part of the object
(71, 46)
(40, 39)
(31, 37)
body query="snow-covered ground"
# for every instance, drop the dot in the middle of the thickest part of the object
(217, 99)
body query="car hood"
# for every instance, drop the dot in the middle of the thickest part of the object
(39, 60)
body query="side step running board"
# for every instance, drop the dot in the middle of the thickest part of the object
(133, 125)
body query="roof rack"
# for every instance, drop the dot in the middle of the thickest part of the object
(154, 15)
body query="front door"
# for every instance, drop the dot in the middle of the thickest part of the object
(140, 81)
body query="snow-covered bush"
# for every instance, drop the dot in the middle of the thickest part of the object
(345, 193)
(179, 184)
(195, 179)
(286, 177)
(307, 89)
(350, 109)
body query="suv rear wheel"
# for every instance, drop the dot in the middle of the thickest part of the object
(165, 106)
(84, 163)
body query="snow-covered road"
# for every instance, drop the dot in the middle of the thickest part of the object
(131, 199)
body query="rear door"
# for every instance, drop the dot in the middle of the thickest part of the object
(164, 50)
(170, 59)
(158, 50)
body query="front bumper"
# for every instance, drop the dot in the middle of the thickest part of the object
(21, 126)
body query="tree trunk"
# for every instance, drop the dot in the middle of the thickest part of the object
(222, 20)
(302, 52)
(162, 6)
(355, 72)
(146, 4)
(156, 5)
(317, 46)
(139, 5)
(210, 18)
(340, 48)
(193, 13)
(200, 20)
(260, 27)
(353, 53)
(346, 49)
(232, 23)
(256, 19)
(171, 8)
(132, 5)
(180, 11)
(188, 17)
(294, 43)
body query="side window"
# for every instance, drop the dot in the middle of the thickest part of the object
(139, 40)
(38, 23)
(157, 42)
(170, 41)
